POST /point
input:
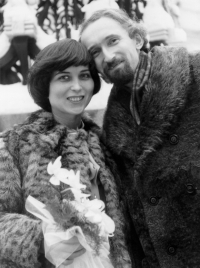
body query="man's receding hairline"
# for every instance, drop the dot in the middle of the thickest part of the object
(93, 19)
(123, 26)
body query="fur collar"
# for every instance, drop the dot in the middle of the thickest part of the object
(43, 122)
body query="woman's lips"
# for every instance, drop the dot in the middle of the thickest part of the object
(75, 99)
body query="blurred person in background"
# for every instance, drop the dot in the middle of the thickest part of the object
(152, 127)
(173, 7)
(162, 20)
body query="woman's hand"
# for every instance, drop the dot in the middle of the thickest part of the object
(70, 260)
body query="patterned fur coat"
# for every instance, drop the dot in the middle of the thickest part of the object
(25, 152)
(159, 160)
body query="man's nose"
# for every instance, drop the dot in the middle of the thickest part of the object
(108, 55)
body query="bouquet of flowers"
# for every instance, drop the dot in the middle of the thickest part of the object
(72, 222)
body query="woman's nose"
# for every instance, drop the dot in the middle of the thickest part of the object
(76, 85)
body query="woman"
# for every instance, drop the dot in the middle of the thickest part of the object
(62, 82)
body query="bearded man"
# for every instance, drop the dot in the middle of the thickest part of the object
(152, 127)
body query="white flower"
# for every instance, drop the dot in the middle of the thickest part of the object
(79, 196)
(93, 210)
(53, 169)
(74, 180)
(96, 214)
(64, 175)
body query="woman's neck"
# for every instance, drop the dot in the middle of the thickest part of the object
(72, 122)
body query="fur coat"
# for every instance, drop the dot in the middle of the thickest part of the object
(159, 160)
(25, 152)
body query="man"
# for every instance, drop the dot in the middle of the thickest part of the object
(152, 127)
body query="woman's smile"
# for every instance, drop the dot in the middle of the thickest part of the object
(75, 99)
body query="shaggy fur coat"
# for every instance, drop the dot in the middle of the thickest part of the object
(25, 152)
(159, 160)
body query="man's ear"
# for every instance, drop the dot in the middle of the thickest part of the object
(139, 41)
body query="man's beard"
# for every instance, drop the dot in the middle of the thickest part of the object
(121, 75)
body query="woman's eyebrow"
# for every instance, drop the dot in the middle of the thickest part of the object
(85, 70)
(61, 72)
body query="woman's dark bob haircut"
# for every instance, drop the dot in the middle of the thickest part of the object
(57, 57)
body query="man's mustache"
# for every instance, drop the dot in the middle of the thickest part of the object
(111, 64)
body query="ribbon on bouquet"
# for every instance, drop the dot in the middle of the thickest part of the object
(59, 245)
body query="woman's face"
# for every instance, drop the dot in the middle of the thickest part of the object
(70, 91)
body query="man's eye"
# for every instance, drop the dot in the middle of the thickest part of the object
(113, 41)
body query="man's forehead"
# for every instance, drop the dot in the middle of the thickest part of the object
(100, 30)
(103, 23)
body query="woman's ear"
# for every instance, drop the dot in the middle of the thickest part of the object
(139, 41)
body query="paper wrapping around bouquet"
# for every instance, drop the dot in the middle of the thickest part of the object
(59, 245)
(88, 260)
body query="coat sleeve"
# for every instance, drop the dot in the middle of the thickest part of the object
(20, 235)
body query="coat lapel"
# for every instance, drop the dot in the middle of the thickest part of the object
(164, 99)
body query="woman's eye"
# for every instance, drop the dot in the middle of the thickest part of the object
(64, 78)
(86, 76)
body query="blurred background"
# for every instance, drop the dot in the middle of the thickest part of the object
(27, 26)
